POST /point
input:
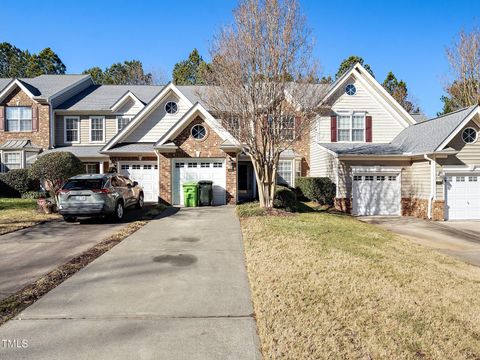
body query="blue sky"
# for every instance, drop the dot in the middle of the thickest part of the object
(407, 37)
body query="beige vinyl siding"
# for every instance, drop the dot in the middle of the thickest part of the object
(158, 122)
(130, 108)
(384, 125)
(322, 163)
(416, 180)
(440, 187)
(110, 129)
(469, 154)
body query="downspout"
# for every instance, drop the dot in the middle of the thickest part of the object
(433, 184)
(159, 179)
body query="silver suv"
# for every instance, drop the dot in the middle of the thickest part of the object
(97, 195)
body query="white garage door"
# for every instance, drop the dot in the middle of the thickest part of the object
(146, 174)
(199, 169)
(462, 197)
(376, 194)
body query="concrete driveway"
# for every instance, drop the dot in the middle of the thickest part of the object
(30, 253)
(460, 239)
(175, 289)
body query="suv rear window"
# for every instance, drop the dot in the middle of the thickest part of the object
(84, 184)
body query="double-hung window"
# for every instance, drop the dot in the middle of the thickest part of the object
(285, 172)
(122, 122)
(12, 160)
(19, 118)
(72, 129)
(351, 127)
(287, 127)
(97, 129)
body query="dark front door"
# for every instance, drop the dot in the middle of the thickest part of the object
(245, 181)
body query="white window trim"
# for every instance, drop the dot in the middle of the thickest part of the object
(351, 115)
(7, 128)
(65, 129)
(165, 107)
(90, 129)
(476, 135)
(292, 171)
(22, 159)
(129, 117)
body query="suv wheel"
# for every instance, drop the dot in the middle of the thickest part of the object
(70, 219)
(119, 210)
(140, 201)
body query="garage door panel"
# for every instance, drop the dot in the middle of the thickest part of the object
(376, 194)
(462, 197)
(146, 174)
(196, 170)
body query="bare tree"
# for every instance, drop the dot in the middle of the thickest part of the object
(464, 60)
(263, 71)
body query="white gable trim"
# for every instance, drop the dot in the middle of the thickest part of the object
(123, 99)
(185, 120)
(12, 85)
(475, 111)
(359, 72)
(151, 106)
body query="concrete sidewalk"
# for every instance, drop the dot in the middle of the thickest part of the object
(176, 289)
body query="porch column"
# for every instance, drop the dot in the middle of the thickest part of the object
(100, 167)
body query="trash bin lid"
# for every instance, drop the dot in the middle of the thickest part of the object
(202, 182)
(190, 183)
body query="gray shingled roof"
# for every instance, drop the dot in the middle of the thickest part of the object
(79, 151)
(18, 145)
(427, 136)
(132, 147)
(362, 149)
(419, 117)
(421, 138)
(102, 97)
(46, 85)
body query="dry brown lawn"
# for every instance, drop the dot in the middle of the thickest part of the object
(16, 214)
(330, 287)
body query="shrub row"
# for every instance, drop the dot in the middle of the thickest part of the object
(17, 182)
(318, 189)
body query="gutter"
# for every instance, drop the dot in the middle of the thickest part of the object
(433, 169)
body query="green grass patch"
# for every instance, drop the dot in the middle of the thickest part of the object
(17, 204)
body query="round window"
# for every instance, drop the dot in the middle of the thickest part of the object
(199, 132)
(469, 135)
(171, 107)
(350, 89)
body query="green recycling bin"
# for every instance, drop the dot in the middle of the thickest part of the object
(205, 192)
(190, 194)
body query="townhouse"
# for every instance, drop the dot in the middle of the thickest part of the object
(383, 160)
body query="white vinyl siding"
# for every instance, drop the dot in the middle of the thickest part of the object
(72, 129)
(18, 118)
(97, 129)
(158, 122)
(416, 180)
(385, 125)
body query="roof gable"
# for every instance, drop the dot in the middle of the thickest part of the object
(143, 114)
(14, 84)
(375, 89)
(189, 116)
(123, 99)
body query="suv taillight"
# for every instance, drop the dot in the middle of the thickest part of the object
(63, 191)
(102, 191)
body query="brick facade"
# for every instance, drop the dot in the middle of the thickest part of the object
(419, 208)
(41, 137)
(188, 147)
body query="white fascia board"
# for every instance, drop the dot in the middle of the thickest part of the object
(123, 98)
(465, 121)
(184, 120)
(331, 152)
(12, 85)
(145, 112)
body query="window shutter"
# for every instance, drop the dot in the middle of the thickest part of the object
(2, 118)
(368, 129)
(333, 128)
(34, 118)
